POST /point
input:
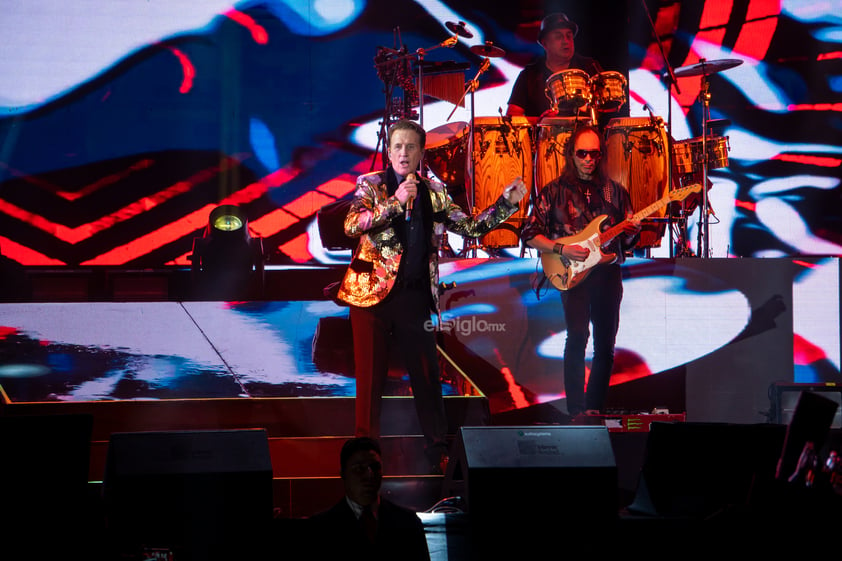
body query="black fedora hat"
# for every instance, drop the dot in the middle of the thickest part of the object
(554, 21)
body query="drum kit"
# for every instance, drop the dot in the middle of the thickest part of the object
(480, 157)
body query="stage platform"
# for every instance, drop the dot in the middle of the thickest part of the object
(703, 340)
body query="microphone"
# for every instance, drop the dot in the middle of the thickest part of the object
(651, 113)
(409, 202)
(505, 119)
(654, 122)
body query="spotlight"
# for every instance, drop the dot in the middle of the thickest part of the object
(227, 262)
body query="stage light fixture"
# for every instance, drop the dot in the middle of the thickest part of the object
(227, 223)
(227, 262)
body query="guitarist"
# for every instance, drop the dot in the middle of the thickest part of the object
(563, 208)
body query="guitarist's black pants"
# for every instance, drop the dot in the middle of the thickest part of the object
(595, 300)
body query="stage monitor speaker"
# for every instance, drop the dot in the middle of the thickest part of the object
(536, 475)
(44, 463)
(44, 457)
(193, 494)
(697, 470)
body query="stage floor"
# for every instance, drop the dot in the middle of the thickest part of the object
(178, 350)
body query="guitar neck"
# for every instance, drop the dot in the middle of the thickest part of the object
(614, 231)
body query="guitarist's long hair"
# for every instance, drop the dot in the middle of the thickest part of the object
(569, 175)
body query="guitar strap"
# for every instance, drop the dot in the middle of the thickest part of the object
(543, 280)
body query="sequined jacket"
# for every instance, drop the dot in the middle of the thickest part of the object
(376, 261)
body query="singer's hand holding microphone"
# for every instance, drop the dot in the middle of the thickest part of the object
(406, 193)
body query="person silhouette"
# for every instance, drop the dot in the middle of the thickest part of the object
(363, 524)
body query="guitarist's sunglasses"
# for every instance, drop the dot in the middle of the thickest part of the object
(594, 154)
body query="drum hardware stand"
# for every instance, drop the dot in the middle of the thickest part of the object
(671, 81)
(448, 43)
(392, 69)
(390, 66)
(705, 68)
(704, 218)
(506, 127)
(471, 245)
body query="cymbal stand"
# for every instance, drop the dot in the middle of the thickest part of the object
(669, 78)
(704, 221)
(471, 87)
(448, 43)
(419, 56)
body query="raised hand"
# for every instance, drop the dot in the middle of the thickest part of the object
(515, 191)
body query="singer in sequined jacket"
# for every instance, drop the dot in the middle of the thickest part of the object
(377, 259)
(392, 281)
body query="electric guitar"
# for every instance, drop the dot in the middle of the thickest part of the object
(565, 277)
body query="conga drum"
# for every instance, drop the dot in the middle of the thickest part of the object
(636, 157)
(552, 134)
(446, 152)
(501, 150)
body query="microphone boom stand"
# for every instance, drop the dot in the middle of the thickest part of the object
(669, 78)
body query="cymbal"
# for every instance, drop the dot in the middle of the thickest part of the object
(459, 29)
(707, 67)
(488, 50)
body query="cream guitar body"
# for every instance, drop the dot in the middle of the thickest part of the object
(566, 276)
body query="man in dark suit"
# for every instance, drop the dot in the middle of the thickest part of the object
(363, 525)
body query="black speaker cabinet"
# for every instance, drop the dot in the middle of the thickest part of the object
(699, 470)
(537, 475)
(197, 494)
(44, 490)
(44, 457)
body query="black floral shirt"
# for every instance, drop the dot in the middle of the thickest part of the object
(565, 208)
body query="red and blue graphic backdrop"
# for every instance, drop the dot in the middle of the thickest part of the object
(122, 124)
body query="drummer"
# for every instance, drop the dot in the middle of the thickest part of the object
(557, 38)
